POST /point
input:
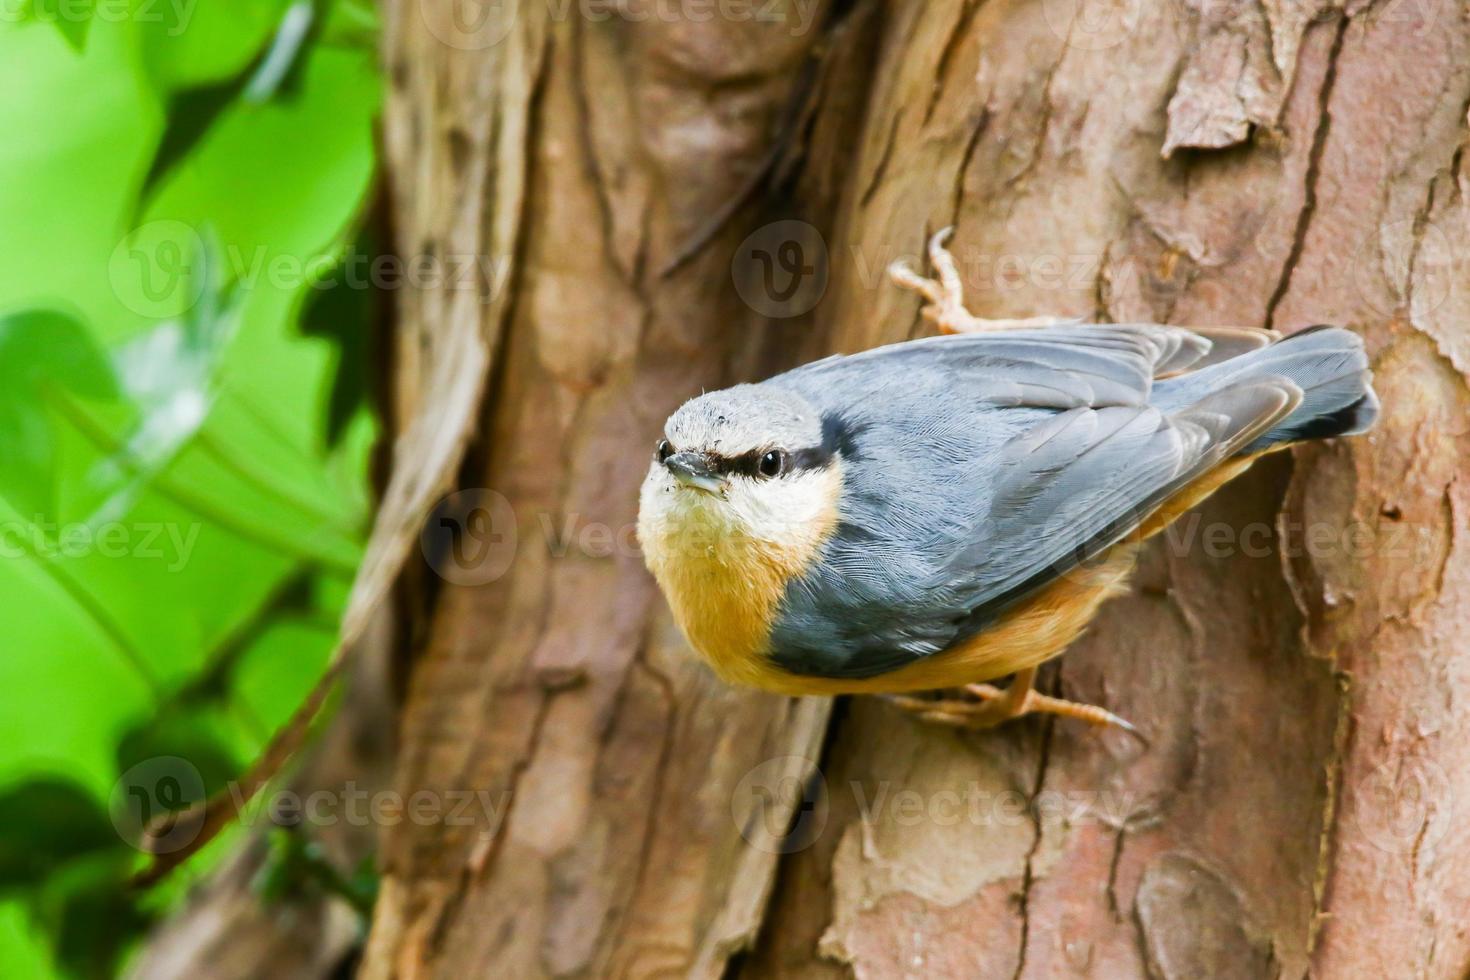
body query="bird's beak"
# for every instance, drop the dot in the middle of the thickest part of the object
(692, 470)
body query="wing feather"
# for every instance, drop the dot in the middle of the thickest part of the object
(988, 466)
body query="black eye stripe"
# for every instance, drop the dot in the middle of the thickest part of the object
(749, 464)
(815, 458)
(746, 464)
(839, 437)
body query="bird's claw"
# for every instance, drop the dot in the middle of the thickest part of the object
(946, 294)
(988, 706)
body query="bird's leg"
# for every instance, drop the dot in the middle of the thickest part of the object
(946, 295)
(989, 706)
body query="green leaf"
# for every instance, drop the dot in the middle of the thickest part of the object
(170, 374)
(193, 733)
(352, 24)
(191, 45)
(224, 515)
(28, 474)
(47, 822)
(90, 914)
(193, 111)
(23, 954)
(41, 350)
(71, 18)
(340, 311)
(47, 346)
(281, 66)
(190, 114)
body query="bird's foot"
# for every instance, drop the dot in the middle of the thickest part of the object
(946, 295)
(983, 706)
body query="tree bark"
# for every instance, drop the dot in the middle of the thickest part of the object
(1292, 650)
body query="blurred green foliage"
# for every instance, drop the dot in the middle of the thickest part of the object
(183, 491)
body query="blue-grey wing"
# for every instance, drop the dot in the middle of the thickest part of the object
(1055, 367)
(979, 468)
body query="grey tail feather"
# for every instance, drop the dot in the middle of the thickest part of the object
(1328, 363)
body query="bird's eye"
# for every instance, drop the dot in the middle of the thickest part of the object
(663, 450)
(772, 463)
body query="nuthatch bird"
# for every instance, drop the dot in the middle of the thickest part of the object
(952, 510)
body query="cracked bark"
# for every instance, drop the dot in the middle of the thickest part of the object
(1295, 812)
(1300, 699)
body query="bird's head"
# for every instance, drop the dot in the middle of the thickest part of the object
(754, 463)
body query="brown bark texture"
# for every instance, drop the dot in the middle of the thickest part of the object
(675, 197)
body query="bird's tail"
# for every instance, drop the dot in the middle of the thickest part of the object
(1327, 363)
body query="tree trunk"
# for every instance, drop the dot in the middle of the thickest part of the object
(1292, 649)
